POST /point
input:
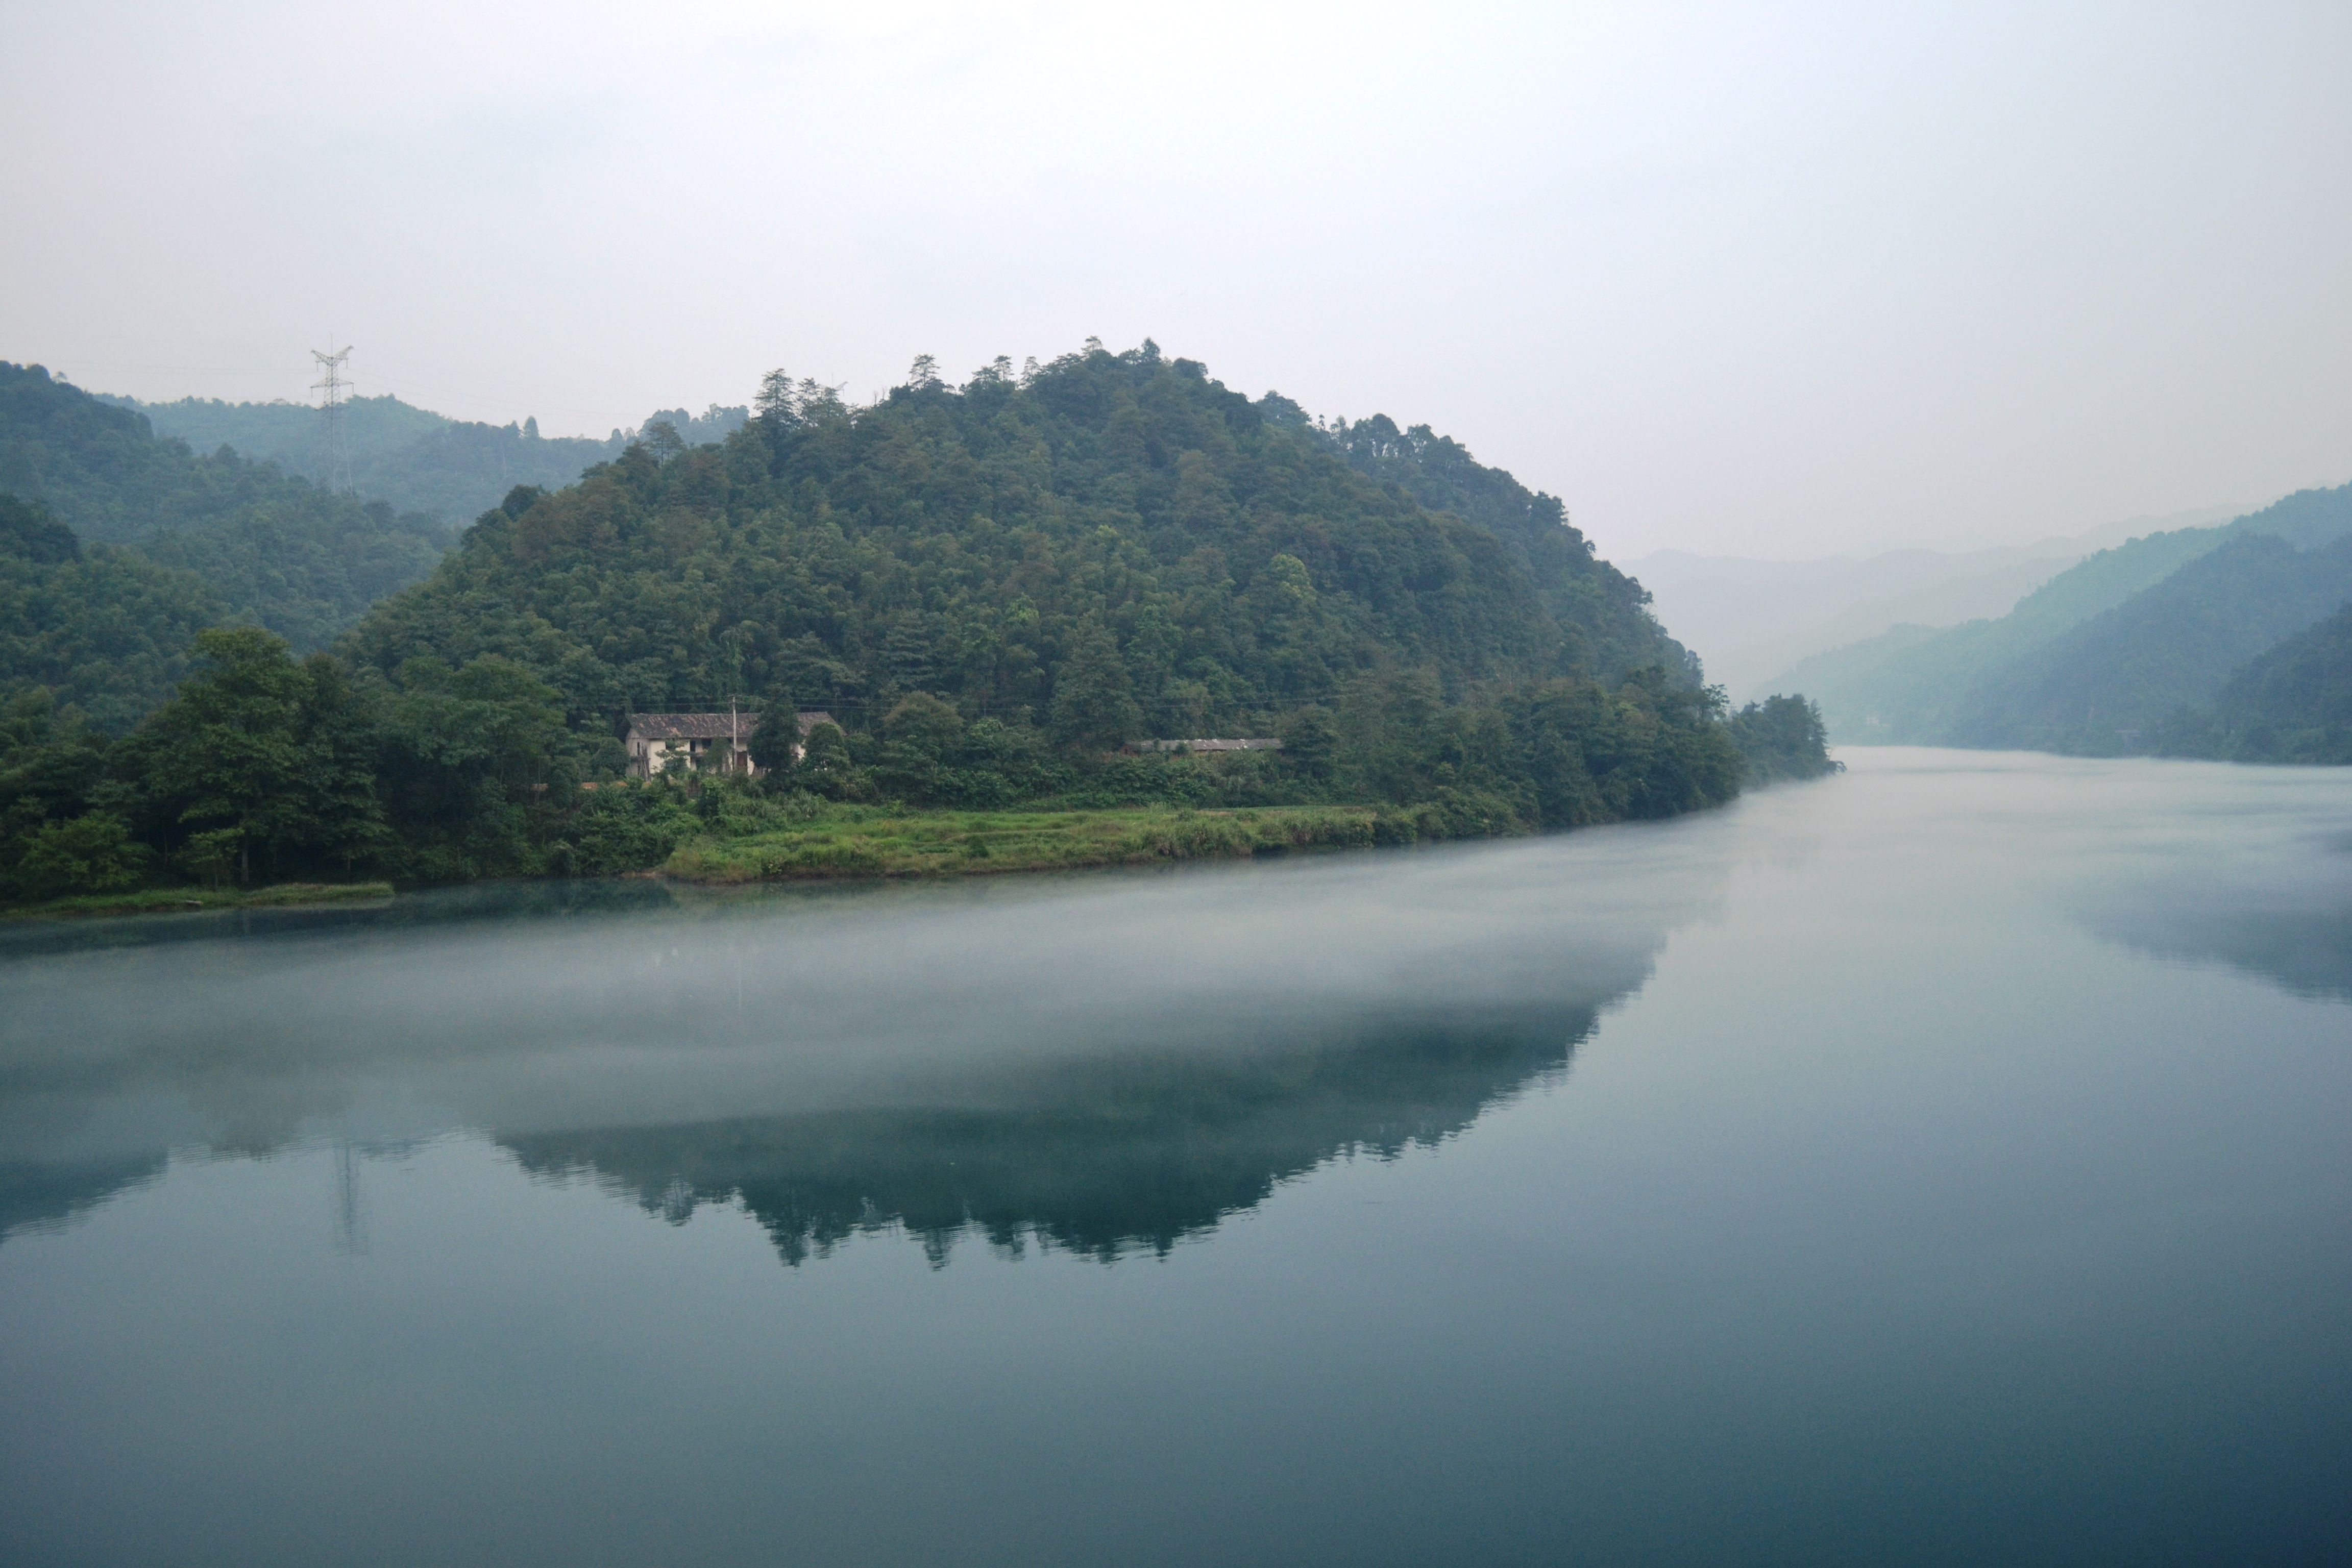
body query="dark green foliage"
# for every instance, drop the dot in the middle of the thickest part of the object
(972, 545)
(103, 629)
(466, 762)
(994, 587)
(28, 533)
(1591, 600)
(304, 571)
(247, 542)
(270, 761)
(617, 830)
(51, 769)
(1094, 701)
(775, 742)
(2293, 704)
(263, 767)
(1781, 738)
(826, 766)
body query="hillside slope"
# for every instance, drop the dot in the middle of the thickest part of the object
(2291, 704)
(2000, 681)
(968, 543)
(1906, 685)
(169, 536)
(413, 459)
(990, 588)
(2104, 687)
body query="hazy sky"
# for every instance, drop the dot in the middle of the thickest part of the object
(1764, 279)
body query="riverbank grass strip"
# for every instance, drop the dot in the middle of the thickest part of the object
(968, 843)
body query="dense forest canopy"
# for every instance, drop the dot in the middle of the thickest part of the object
(99, 628)
(967, 542)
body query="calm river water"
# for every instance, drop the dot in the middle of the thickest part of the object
(1947, 1162)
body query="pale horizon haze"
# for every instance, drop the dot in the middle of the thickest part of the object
(1768, 281)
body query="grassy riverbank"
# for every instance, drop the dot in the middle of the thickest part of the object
(176, 900)
(885, 842)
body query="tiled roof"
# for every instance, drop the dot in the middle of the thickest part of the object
(1266, 745)
(693, 726)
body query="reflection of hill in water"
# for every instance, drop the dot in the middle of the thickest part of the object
(37, 1196)
(2307, 952)
(1099, 1156)
(1100, 1063)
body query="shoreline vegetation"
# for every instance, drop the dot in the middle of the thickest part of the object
(982, 597)
(860, 843)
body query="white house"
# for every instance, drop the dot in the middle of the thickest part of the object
(706, 741)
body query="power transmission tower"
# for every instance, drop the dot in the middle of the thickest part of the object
(330, 408)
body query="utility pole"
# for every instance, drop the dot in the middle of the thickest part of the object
(331, 389)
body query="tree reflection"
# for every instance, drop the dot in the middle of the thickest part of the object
(1125, 1151)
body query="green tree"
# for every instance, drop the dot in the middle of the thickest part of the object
(1094, 702)
(826, 765)
(229, 750)
(921, 736)
(469, 759)
(776, 741)
(1309, 737)
(91, 854)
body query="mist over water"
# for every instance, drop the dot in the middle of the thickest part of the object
(1942, 1163)
(537, 1013)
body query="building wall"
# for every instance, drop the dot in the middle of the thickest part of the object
(649, 755)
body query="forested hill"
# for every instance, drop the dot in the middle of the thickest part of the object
(412, 457)
(1440, 473)
(2105, 688)
(236, 540)
(2291, 704)
(2101, 656)
(1212, 562)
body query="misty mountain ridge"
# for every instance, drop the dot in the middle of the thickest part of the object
(1753, 618)
(2117, 654)
(416, 460)
(2291, 704)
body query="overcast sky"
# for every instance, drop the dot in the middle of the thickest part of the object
(1759, 279)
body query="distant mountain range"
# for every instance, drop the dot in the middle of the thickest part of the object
(2195, 642)
(413, 457)
(1751, 619)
